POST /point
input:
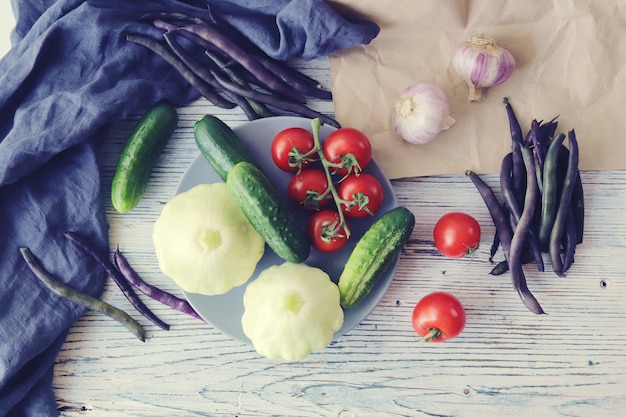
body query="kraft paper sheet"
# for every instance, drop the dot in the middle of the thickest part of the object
(570, 62)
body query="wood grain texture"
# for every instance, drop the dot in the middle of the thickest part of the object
(570, 362)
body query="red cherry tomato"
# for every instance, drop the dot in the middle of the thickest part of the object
(349, 147)
(305, 188)
(325, 232)
(456, 234)
(289, 146)
(364, 194)
(438, 316)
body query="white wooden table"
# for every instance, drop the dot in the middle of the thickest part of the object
(507, 362)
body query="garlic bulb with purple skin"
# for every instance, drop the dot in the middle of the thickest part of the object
(421, 113)
(482, 64)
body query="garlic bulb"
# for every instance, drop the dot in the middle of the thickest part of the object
(482, 64)
(421, 113)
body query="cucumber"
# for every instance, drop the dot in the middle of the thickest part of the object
(268, 212)
(373, 253)
(220, 145)
(141, 150)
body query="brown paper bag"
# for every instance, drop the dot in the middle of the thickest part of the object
(570, 62)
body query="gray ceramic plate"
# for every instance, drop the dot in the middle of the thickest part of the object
(224, 311)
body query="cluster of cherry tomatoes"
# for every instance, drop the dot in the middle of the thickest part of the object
(329, 182)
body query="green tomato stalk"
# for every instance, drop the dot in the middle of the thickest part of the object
(327, 165)
(433, 334)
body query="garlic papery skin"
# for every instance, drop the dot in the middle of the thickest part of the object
(422, 112)
(482, 64)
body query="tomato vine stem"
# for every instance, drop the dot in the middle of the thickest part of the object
(432, 334)
(327, 165)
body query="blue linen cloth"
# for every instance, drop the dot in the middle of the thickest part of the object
(69, 73)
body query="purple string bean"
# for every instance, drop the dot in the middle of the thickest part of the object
(164, 25)
(304, 85)
(564, 203)
(274, 101)
(260, 110)
(203, 88)
(578, 197)
(267, 78)
(183, 17)
(205, 75)
(522, 229)
(569, 240)
(287, 87)
(117, 277)
(197, 40)
(550, 190)
(81, 298)
(532, 141)
(293, 78)
(517, 141)
(151, 291)
(505, 232)
(516, 212)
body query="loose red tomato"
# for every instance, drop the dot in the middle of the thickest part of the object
(363, 194)
(325, 231)
(456, 234)
(289, 146)
(350, 148)
(305, 189)
(438, 316)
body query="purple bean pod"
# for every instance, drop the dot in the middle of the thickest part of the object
(547, 130)
(543, 135)
(295, 79)
(112, 271)
(503, 228)
(274, 101)
(201, 42)
(564, 203)
(299, 83)
(551, 187)
(251, 110)
(290, 72)
(503, 266)
(260, 110)
(517, 141)
(164, 25)
(522, 230)
(267, 78)
(202, 72)
(511, 202)
(578, 195)
(569, 240)
(81, 298)
(532, 141)
(203, 88)
(495, 244)
(172, 16)
(578, 206)
(165, 298)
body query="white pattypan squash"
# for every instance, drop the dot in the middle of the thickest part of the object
(203, 241)
(291, 310)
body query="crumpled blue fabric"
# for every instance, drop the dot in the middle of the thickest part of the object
(69, 73)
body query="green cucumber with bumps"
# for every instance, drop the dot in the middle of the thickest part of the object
(219, 144)
(268, 212)
(373, 254)
(141, 150)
